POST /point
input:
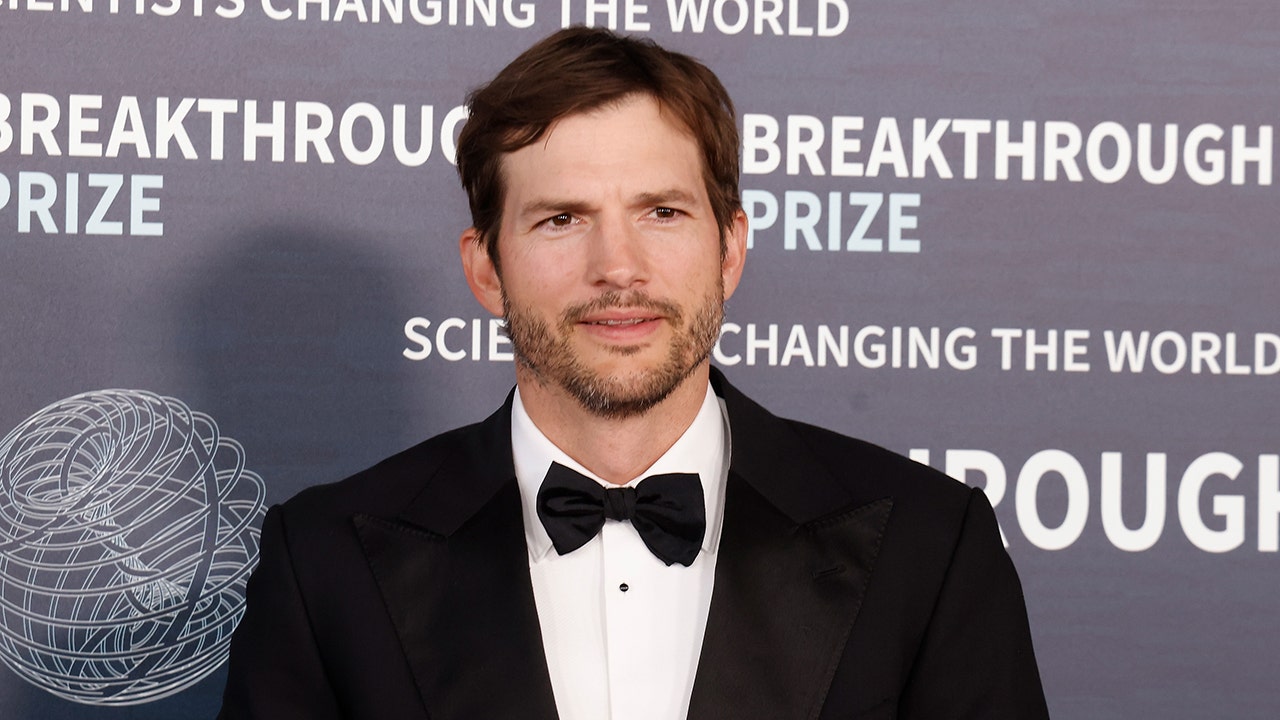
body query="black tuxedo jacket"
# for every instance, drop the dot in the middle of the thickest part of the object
(851, 583)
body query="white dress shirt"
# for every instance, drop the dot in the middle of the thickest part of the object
(622, 630)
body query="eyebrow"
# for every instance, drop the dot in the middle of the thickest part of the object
(549, 205)
(542, 206)
(666, 197)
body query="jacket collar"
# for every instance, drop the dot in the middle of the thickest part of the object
(770, 456)
(475, 469)
(797, 551)
(767, 455)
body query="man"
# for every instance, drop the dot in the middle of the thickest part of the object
(628, 536)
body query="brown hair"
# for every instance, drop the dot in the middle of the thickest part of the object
(581, 69)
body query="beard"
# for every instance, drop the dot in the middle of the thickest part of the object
(548, 353)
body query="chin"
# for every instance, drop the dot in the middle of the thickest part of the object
(615, 397)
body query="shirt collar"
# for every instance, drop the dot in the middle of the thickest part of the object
(704, 448)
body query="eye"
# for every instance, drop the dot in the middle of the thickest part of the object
(665, 213)
(558, 221)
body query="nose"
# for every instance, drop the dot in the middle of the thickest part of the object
(617, 255)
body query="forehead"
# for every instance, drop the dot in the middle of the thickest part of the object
(632, 145)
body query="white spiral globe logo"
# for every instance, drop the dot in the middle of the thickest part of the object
(128, 529)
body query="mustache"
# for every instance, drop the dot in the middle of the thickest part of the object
(619, 299)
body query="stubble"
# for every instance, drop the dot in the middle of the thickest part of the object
(549, 355)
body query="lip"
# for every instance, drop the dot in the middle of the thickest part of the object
(628, 326)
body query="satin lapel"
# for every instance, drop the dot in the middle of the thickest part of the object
(797, 550)
(453, 570)
(784, 602)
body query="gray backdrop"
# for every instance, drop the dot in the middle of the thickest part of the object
(1028, 242)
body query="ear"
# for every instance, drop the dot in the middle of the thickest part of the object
(735, 252)
(482, 276)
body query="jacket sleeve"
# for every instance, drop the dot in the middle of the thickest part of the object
(275, 670)
(976, 660)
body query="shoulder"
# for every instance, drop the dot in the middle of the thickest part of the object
(812, 473)
(936, 532)
(809, 472)
(866, 469)
(383, 489)
(930, 511)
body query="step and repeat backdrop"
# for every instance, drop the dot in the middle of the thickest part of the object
(1029, 242)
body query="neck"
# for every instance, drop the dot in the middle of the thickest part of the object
(615, 449)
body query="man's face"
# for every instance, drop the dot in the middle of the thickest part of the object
(612, 280)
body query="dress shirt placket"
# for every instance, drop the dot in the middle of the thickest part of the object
(625, 621)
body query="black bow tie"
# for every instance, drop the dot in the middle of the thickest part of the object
(667, 510)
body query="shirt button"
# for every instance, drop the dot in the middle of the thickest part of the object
(624, 587)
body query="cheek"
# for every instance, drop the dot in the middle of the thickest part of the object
(531, 270)
(694, 271)
(548, 261)
(537, 293)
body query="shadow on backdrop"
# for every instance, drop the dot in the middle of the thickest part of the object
(290, 339)
(292, 342)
